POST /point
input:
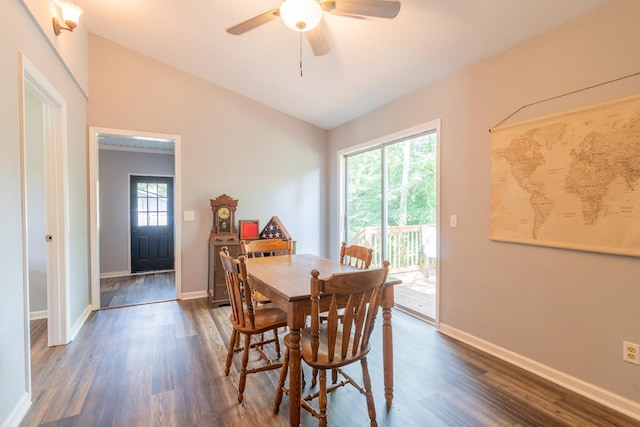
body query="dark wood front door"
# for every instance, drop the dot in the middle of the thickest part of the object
(151, 223)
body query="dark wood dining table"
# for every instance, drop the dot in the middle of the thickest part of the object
(286, 281)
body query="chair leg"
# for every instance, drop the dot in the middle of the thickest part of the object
(283, 376)
(245, 361)
(275, 335)
(367, 387)
(314, 377)
(322, 413)
(232, 344)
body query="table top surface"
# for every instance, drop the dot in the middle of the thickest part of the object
(290, 275)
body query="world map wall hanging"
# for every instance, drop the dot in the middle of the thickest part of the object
(571, 180)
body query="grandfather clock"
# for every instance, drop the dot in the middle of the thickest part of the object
(223, 233)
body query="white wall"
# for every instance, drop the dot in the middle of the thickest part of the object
(566, 310)
(115, 168)
(272, 163)
(20, 33)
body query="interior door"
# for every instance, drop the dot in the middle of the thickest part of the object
(152, 221)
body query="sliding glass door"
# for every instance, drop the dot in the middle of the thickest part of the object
(391, 206)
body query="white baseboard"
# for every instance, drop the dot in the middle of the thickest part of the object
(193, 295)
(600, 395)
(19, 411)
(37, 315)
(115, 274)
(78, 325)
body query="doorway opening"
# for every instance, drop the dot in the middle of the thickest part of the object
(134, 174)
(390, 204)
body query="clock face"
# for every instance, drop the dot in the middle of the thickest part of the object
(223, 213)
(224, 223)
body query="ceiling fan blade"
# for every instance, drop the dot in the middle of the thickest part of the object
(254, 22)
(375, 8)
(317, 41)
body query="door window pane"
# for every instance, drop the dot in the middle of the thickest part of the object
(162, 218)
(162, 190)
(152, 204)
(142, 189)
(142, 219)
(153, 218)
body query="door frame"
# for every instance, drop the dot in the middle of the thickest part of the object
(341, 172)
(56, 203)
(94, 153)
(132, 174)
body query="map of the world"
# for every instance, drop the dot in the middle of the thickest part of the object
(571, 180)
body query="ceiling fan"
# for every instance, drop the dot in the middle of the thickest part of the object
(305, 15)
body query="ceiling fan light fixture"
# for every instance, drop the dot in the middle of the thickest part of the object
(301, 15)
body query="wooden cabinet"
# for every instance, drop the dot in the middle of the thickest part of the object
(216, 286)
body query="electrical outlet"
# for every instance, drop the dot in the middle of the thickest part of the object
(631, 352)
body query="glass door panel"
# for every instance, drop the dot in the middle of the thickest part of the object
(364, 201)
(391, 206)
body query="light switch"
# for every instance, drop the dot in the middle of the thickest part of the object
(189, 216)
(453, 221)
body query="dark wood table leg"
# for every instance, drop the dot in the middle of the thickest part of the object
(387, 344)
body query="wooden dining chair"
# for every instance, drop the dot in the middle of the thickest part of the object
(248, 320)
(334, 344)
(263, 248)
(356, 256)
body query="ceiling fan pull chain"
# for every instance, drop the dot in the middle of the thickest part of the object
(300, 32)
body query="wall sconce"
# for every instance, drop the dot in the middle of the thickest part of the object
(70, 15)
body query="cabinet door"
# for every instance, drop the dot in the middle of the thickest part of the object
(217, 288)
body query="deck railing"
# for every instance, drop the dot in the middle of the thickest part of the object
(406, 246)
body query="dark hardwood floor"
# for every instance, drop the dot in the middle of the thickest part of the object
(163, 365)
(137, 289)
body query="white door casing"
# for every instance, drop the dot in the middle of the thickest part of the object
(56, 195)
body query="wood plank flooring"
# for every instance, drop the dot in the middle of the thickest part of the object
(137, 289)
(163, 365)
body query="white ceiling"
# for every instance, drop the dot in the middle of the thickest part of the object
(372, 61)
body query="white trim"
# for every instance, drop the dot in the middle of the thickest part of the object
(126, 273)
(593, 392)
(114, 274)
(193, 295)
(18, 412)
(37, 315)
(94, 209)
(80, 322)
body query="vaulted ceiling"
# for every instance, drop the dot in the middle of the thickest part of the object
(371, 61)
